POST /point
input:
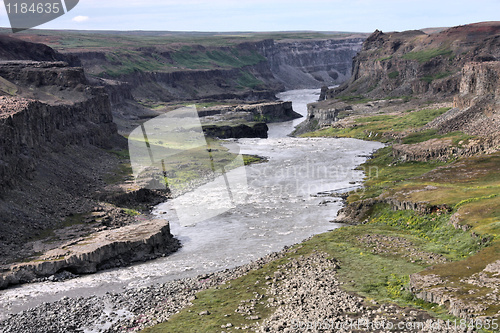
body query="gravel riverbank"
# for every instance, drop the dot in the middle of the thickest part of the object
(304, 292)
(128, 311)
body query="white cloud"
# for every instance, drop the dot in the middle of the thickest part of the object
(81, 18)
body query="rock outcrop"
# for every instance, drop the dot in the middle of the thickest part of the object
(30, 128)
(244, 120)
(475, 112)
(105, 249)
(320, 115)
(15, 49)
(416, 63)
(443, 149)
(268, 112)
(258, 130)
(55, 133)
(312, 63)
(477, 104)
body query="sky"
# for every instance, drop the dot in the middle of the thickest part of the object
(269, 15)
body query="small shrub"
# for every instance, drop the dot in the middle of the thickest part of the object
(393, 75)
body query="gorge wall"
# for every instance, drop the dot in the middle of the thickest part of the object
(459, 64)
(54, 129)
(475, 112)
(416, 63)
(249, 70)
(312, 64)
(46, 106)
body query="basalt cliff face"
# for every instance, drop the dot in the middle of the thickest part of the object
(459, 64)
(250, 70)
(475, 112)
(50, 117)
(415, 63)
(15, 49)
(308, 64)
(55, 133)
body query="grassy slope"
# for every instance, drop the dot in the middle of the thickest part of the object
(469, 187)
(377, 258)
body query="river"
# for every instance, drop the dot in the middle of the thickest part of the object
(286, 202)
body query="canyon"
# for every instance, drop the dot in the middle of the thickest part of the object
(62, 174)
(431, 97)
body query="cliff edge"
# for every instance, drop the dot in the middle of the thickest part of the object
(57, 169)
(415, 63)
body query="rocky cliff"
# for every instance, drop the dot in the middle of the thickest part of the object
(15, 49)
(459, 64)
(249, 70)
(475, 112)
(55, 133)
(415, 63)
(309, 64)
(105, 249)
(321, 115)
(477, 105)
(244, 120)
(267, 111)
(31, 127)
(53, 127)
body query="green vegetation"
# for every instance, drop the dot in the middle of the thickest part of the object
(127, 62)
(248, 80)
(374, 127)
(378, 276)
(430, 78)
(220, 301)
(8, 87)
(189, 57)
(426, 55)
(434, 230)
(131, 212)
(385, 58)
(121, 153)
(123, 62)
(253, 159)
(354, 99)
(458, 138)
(261, 118)
(383, 173)
(465, 189)
(393, 75)
(62, 40)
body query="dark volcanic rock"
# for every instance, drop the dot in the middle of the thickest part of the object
(412, 62)
(28, 128)
(258, 130)
(312, 63)
(54, 132)
(15, 49)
